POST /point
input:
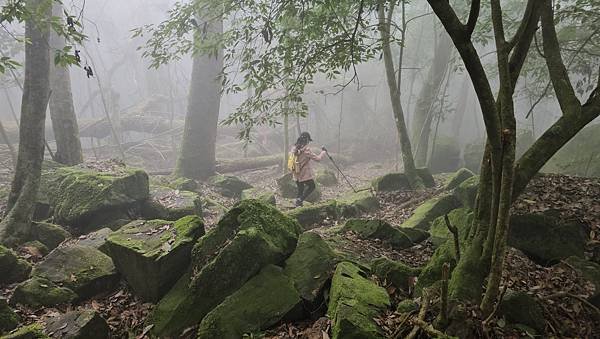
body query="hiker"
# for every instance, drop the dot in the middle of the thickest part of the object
(302, 172)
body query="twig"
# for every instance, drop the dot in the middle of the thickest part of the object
(454, 231)
(429, 329)
(398, 330)
(421, 316)
(444, 296)
(495, 310)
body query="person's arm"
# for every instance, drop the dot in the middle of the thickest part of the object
(316, 157)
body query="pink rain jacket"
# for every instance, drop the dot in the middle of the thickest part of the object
(305, 155)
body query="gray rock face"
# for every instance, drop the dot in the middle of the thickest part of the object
(84, 324)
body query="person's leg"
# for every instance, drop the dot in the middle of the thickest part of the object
(309, 189)
(299, 199)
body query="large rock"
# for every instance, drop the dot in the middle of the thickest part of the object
(430, 210)
(590, 272)
(96, 239)
(169, 204)
(521, 308)
(466, 192)
(254, 193)
(82, 269)
(81, 324)
(425, 174)
(394, 272)
(249, 237)
(354, 302)
(545, 239)
(33, 331)
(311, 266)
(152, 255)
(457, 178)
(229, 186)
(312, 214)
(39, 292)
(461, 218)
(13, 268)
(399, 181)
(326, 178)
(378, 229)
(8, 318)
(288, 189)
(262, 302)
(355, 204)
(48, 234)
(86, 199)
(432, 272)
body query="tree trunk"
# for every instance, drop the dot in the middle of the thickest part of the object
(62, 111)
(423, 117)
(16, 226)
(197, 154)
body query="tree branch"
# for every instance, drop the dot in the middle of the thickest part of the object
(473, 17)
(521, 42)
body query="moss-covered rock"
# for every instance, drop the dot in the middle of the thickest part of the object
(34, 248)
(39, 292)
(152, 255)
(33, 331)
(182, 184)
(13, 268)
(466, 192)
(80, 324)
(249, 237)
(311, 266)
(262, 302)
(9, 320)
(379, 229)
(545, 239)
(395, 272)
(86, 199)
(48, 234)
(169, 204)
(579, 156)
(458, 178)
(326, 178)
(461, 218)
(391, 182)
(229, 186)
(432, 272)
(254, 193)
(288, 189)
(96, 239)
(407, 306)
(354, 204)
(430, 210)
(520, 308)
(84, 270)
(354, 302)
(426, 176)
(312, 214)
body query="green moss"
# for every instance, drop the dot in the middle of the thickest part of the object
(354, 204)
(13, 268)
(407, 306)
(461, 218)
(48, 234)
(393, 271)
(288, 189)
(312, 214)
(354, 302)
(84, 270)
(254, 193)
(33, 331)
(521, 308)
(466, 192)
(378, 229)
(250, 236)
(310, 266)
(432, 272)
(168, 204)
(153, 254)
(262, 302)
(37, 292)
(229, 186)
(9, 320)
(391, 182)
(457, 178)
(326, 178)
(430, 210)
(426, 177)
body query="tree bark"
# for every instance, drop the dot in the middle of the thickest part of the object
(197, 154)
(36, 89)
(62, 111)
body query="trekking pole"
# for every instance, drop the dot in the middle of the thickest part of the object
(342, 173)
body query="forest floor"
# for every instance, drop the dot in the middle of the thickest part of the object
(557, 288)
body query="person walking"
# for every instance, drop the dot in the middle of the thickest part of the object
(302, 170)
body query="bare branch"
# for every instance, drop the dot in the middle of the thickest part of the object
(521, 42)
(473, 16)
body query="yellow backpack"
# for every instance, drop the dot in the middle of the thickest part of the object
(292, 163)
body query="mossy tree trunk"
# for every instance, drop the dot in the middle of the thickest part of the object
(62, 111)
(395, 94)
(197, 153)
(502, 177)
(36, 89)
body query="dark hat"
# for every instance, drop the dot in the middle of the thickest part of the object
(306, 135)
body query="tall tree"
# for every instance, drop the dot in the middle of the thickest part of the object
(36, 90)
(62, 111)
(197, 154)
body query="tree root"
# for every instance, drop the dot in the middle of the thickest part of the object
(421, 315)
(454, 231)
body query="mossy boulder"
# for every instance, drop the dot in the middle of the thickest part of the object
(520, 308)
(249, 237)
(311, 266)
(80, 324)
(446, 157)
(472, 156)
(354, 302)
(326, 178)
(49, 234)
(394, 272)
(182, 184)
(153, 254)
(579, 156)
(254, 193)
(9, 320)
(13, 268)
(229, 186)
(425, 174)
(458, 178)
(391, 182)
(312, 214)
(379, 229)
(461, 218)
(407, 306)
(466, 192)
(83, 269)
(86, 199)
(262, 302)
(33, 331)
(288, 189)
(40, 292)
(590, 272)
(96, 239)
(430, 210)
(432, 272)
(169, 204)
(33, 249)
(545, 239)
(355, 204)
